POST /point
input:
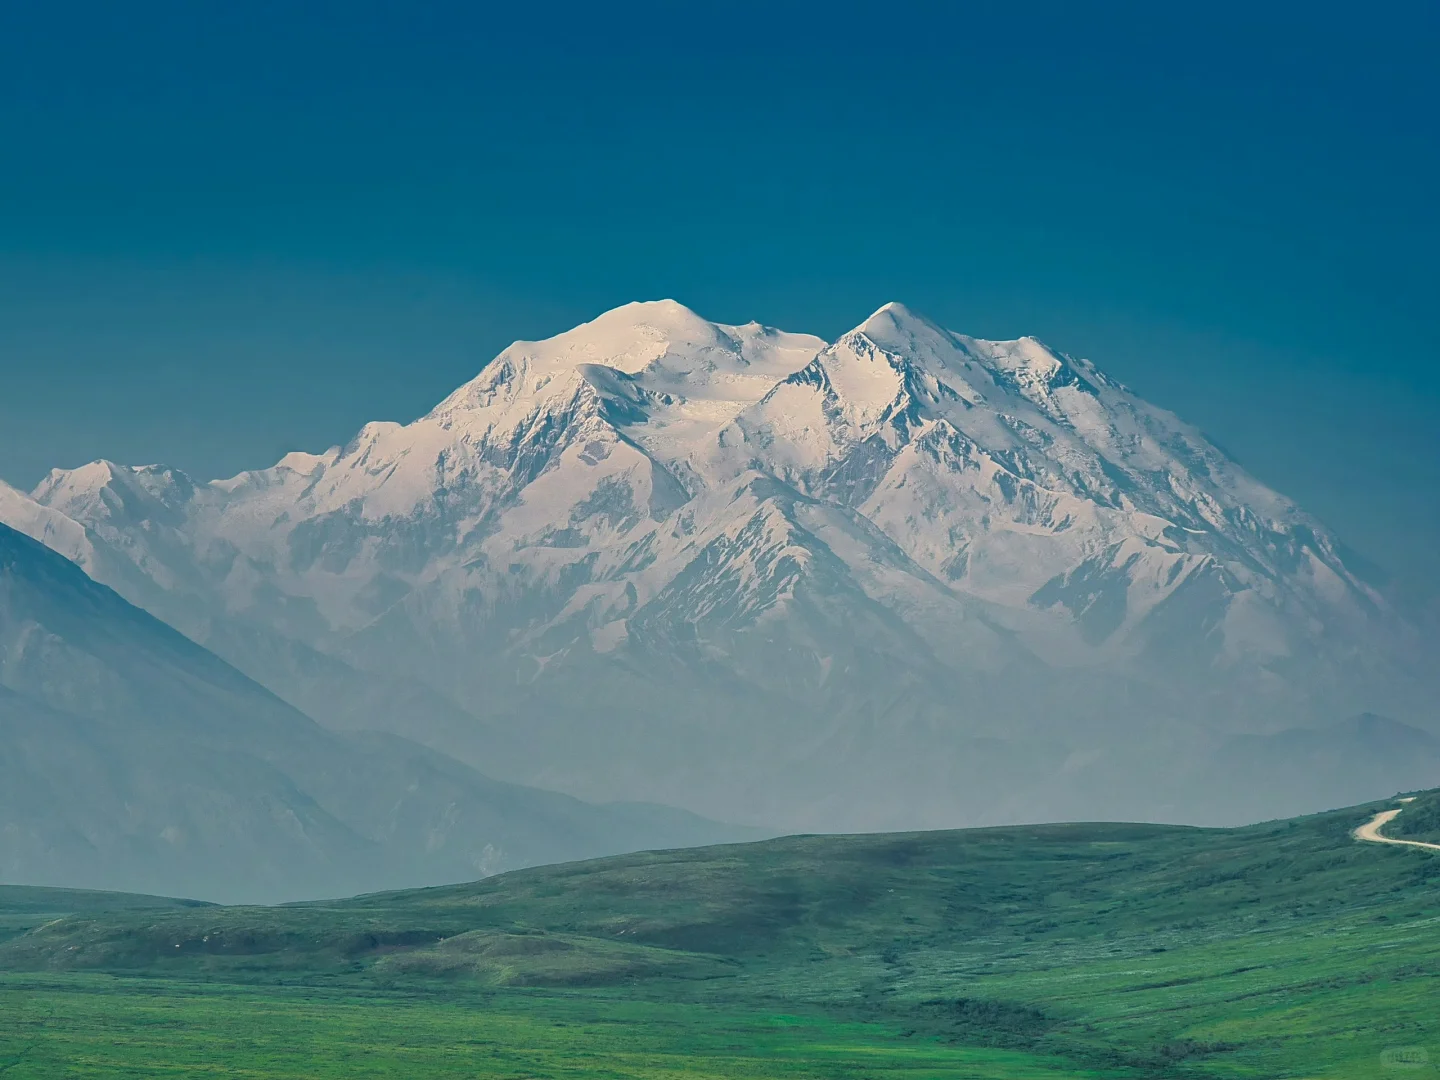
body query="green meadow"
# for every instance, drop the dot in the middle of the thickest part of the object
(1279, 950)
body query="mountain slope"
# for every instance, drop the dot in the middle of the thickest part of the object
(133, 758)
(907, 578)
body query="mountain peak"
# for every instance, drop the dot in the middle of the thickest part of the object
(897, 329)
(658, 310)
(85, 485)
(92, 476)
(627, 338)
(893, 317)
(893, 310)
(967, 524)
(103, 489)
(697, 373)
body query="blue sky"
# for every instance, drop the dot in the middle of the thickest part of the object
(227, 231)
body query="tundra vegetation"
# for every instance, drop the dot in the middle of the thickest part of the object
(1081, 950)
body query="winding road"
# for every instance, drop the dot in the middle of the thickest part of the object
(1371, 830)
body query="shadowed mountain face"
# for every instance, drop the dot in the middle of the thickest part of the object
(130, 757)
(906, 579)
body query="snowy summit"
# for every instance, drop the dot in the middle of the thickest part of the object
(903, 557)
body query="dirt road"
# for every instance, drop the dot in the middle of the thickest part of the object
(1371, 831)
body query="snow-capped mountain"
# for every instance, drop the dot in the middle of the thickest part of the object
(905, 578)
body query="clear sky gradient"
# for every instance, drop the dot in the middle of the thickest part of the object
(232, 230)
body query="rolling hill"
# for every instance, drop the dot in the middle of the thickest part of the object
(1118, 950)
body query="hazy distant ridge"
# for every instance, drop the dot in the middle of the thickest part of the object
(132, 758)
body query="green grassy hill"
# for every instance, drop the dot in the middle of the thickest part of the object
(1283, 949)
(1420, 820)
(23, 907)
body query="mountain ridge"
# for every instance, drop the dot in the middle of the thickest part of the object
(877, 551)
(133, 757)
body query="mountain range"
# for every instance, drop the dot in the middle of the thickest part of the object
(907, 578)
(131, 756)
